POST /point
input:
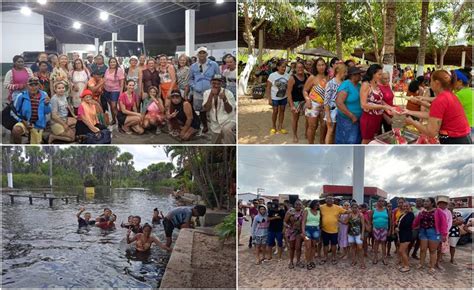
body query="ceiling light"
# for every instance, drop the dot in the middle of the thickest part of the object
(219, 1)
(104, 15)
(42, 2)
(25, 10)
(76, 25)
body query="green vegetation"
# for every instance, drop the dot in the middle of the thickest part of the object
(90, 180)
(71, 167)
(226, 229)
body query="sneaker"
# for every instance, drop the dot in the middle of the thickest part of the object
(273, 132)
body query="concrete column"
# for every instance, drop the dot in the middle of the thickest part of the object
(114, 36)
(463, 59)
(358, 160)
(190, 21)
(96, 44)
(260, 45)
(10, 179)
(141, 33)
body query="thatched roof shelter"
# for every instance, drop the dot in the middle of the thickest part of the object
(282, 41)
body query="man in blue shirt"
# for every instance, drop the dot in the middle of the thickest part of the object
(180, 218)
(200, 77)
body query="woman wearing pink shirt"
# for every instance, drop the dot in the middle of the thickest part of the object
(129, 116)
(388, 96)
(114, 78)
(442, 202)
(432, 226)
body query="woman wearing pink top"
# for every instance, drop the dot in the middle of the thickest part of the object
(16, 78)
(129, 115)
(114, 78)
(432, 225)
(442, 202)
(388, 96)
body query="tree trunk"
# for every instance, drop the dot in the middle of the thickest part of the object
(441, 57)
(435, 57)
(374, 32)
(424, 24)
(247, 34)
(338, 29)
(389, 37)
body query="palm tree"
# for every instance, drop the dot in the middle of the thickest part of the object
(424, 24)
(35, 157)
(338, 29)
(389, 35)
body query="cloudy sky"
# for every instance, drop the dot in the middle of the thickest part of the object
(400, 171)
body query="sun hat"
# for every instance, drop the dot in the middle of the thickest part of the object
(442, 198)
(86, 93)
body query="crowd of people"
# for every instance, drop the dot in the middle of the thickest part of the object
(348, 230)
(351, 104)
(185, 97)
(179, 218)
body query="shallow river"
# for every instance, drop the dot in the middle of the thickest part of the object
(42, 247)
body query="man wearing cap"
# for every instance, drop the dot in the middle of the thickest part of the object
(219, 104)
(200, 77)
(89, 61)
(442, 202)
(31, 106)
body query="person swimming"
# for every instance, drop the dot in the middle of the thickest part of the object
(136, 227)
(84, 222)
(145, 240)
(129, 222)
(106, 220)
(157, 217)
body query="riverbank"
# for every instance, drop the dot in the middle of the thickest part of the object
(200, 260)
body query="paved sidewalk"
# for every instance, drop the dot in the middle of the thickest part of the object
(276, 274)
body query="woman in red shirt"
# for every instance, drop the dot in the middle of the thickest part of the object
(446, 118)
(128, 115)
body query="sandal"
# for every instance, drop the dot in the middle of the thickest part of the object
(404, 270)
(362, 266)
(353, 264)
(334, 262)
(273, 132)
(418, 267)
(383, 262)
(291, 266)
(322, 262)
(375, 262)
(300, 264)
(309, 266)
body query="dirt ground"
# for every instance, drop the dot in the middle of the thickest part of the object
(276, 274)
(213, 266)
(255, 122)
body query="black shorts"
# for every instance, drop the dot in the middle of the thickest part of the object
(169, 227)
(405, 236)
(327, 237)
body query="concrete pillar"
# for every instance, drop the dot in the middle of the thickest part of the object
(141, 33)
(10, 179)
(190, 20)
(96, 44)
(261, 37)
(463, 59)
(358, 160)
(114, 36)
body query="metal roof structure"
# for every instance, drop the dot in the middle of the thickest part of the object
(347, 190)
(159, 18)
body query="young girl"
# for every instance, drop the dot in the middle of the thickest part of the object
(259, 233)
(145, 240)
(62, 126)
(276, 94)
(153, 110)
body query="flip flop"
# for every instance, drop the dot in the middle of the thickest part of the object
(404, 270)
(334, 262)
(385, 263)
(375, 262)
(291, 266)
(322, 262)
(362, 266)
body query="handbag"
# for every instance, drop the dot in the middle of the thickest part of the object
(102, 137)
(8, 121)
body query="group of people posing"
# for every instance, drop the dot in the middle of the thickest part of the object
(352, 105)
(179, 218)
(152, 94)
(430, 225)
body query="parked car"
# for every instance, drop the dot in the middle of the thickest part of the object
(466, 213)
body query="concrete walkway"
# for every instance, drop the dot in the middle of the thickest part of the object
(276, 274)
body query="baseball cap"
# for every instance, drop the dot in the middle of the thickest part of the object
(33, 80)
(86, 93)
(202, 48)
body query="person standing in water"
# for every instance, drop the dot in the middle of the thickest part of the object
(145, 240)
(86, 221)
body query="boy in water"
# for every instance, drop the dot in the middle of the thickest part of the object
(84, 222)
(129, 222)
(157, 217)
(180, 217)
(136, 227)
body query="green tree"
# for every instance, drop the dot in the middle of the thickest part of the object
(34, 156)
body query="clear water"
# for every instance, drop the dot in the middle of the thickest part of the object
(41, 246)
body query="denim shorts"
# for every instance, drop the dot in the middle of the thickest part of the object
(354, 239)
(275, 235)
(111, 96)
(282, 102)
(312, 232)
(346, 131)
(429, 234)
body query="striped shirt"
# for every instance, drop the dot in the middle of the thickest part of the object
(34, 99)
(331, 93)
